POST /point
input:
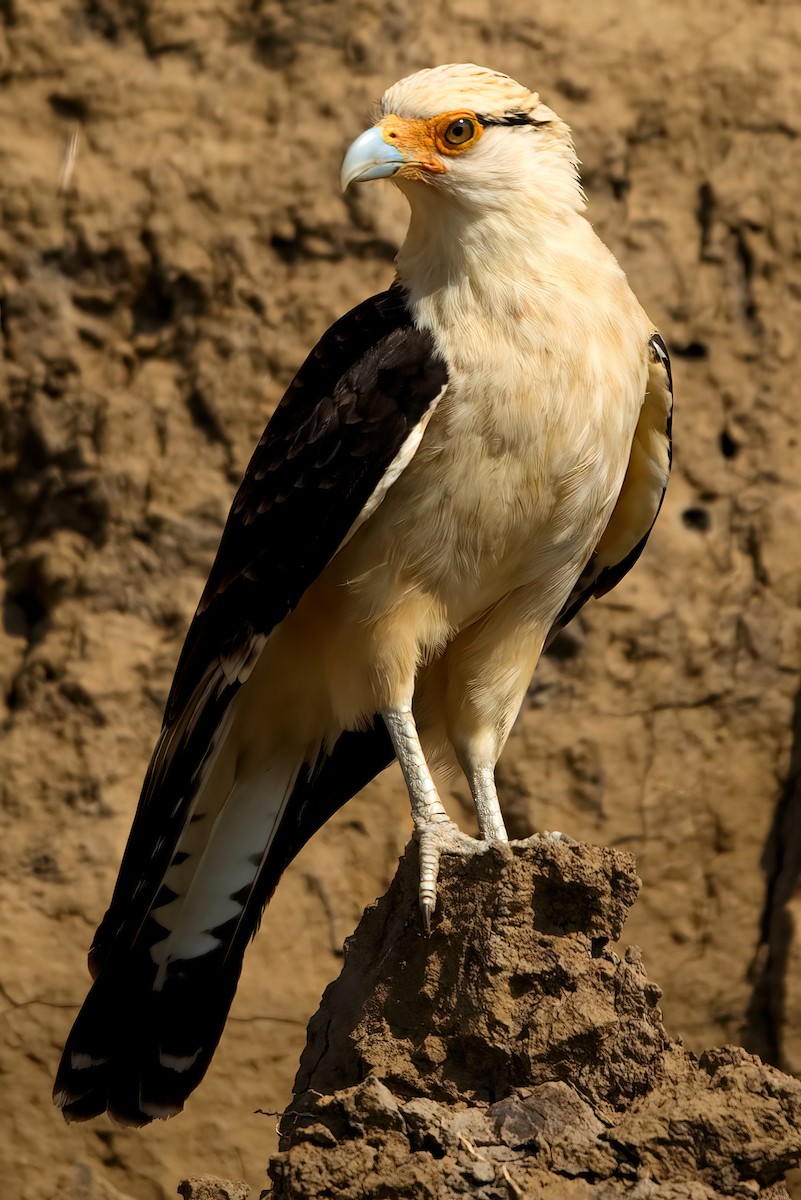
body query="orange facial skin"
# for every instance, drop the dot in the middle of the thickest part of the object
(426, 142)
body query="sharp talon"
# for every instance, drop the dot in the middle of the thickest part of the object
(429, 870)
(435, 839)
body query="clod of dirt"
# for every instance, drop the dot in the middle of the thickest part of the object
(209, 1187)
(515, 1053)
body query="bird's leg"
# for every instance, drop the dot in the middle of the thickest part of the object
(436, 833)
(481, 780)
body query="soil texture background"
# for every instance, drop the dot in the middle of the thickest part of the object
(153, 312)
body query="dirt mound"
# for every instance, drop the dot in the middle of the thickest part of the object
(515, 1053)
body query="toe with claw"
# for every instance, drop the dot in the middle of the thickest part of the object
(434, 839)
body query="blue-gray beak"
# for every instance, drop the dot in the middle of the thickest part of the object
(370, 157)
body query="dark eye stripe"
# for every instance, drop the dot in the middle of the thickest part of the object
(518, 118)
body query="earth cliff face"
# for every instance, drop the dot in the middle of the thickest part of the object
(152, 312)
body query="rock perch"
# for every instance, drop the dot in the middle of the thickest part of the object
(514, 1053)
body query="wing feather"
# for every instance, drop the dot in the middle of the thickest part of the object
(334, 440)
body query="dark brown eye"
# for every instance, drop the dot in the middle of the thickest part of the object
(459, 132)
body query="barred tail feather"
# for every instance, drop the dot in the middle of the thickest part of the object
(142, 1061)
(155, 1013)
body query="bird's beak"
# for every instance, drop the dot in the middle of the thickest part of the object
(370, 157)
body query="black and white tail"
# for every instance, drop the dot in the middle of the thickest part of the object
(155, 1013)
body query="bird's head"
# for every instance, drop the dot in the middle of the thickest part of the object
(471, 134)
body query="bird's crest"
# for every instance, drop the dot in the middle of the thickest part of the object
(464, 85)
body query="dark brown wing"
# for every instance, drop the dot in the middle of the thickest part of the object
(362, 392)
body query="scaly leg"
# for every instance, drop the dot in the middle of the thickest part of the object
(436, 832)
(481, 780)
(488, 669)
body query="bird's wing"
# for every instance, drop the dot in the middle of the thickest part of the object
(641, 495)
(347, 426)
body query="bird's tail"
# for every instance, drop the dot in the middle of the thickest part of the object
(154, 1015)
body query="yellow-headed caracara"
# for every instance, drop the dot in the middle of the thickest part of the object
(461, 462)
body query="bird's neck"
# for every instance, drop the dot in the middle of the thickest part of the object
(499, 264)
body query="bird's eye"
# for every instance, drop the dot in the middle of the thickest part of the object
(459, 132)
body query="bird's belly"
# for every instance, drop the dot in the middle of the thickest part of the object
(477, 515)
(472, 519)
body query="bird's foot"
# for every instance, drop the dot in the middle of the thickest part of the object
(435, 838)
(554, 835)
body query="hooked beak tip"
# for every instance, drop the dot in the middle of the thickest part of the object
(370, 157)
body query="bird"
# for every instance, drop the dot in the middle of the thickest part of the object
(460, 464)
